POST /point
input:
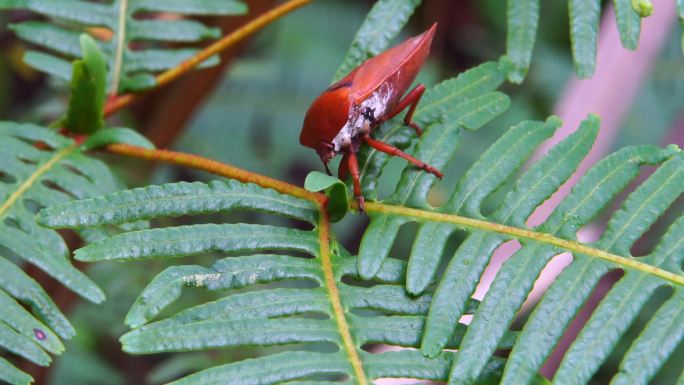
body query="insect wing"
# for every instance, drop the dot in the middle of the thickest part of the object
(397, 67)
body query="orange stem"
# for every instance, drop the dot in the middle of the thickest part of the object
(215, 167)
(227, 41)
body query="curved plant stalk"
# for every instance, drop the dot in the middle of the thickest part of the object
(226, 42)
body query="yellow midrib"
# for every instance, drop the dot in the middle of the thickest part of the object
(40, 171)
(120, 46)
(334, 295)
(516, 232)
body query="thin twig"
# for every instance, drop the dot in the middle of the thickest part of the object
(216, 168)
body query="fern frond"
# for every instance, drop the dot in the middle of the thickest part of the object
(467, 101)
(382, 24)
(130, 69)
(523, 19)
(558, 234)
(323, 311)
(39, 168)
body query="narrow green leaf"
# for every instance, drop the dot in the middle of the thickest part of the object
(60, 40)
(406, 331)
(171, 337)
(197, 239)
(88, 90)
(584, 25)
(271, 369)
(196, 7)
(388, 298)
(52, 65)
(228, 273)
(25, 289)
(655, 343)
(478, 111)
(455, 287)
(377, 242)
(257, 304)
(669, 253)
(154, 60)
(171, 30)
(408, 364)
(411, 364)
(14, 315)
(522, 18)
(628, 22)
(76, 11)
(382, 24)
(608, 322)
(9, 373)
(22, 346)
(175, 199)
(392, 271)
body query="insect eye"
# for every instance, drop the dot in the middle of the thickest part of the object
(369, 113)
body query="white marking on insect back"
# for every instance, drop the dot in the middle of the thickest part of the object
(358, 121)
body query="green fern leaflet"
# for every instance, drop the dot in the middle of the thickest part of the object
(129, 69)
(523, 20)
(662, 268)
(40, 168)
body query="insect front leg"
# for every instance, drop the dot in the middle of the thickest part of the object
(353, 165)
(389, 149)
(411, 99)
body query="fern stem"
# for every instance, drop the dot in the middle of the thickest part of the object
(519, 233)
(120, 44)
(40, 171)
(226, 42)
(216, 168)
(334, 295)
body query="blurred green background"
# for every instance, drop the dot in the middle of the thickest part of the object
(252, 119)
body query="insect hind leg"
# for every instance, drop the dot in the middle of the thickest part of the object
(411, 99)
(389, 149)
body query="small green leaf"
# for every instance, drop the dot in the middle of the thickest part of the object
(116, 135)
(643, 8)
(335, 190)
(88, 90)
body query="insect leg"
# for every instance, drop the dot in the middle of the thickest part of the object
(412, 99)
(389, 149)
(354, 171)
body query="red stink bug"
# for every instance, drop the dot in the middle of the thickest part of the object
(346, 113)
